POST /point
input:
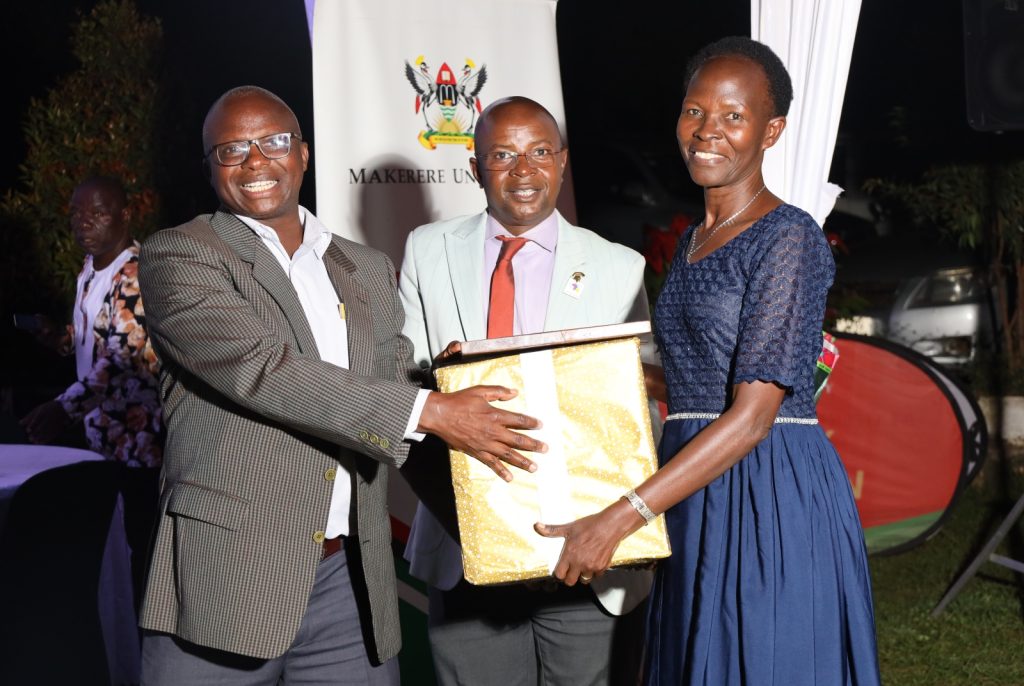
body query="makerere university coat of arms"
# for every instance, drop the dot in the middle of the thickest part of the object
(440, 99)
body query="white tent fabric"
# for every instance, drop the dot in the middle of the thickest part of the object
(814, 39)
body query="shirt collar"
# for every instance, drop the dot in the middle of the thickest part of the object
(314, 233)
(544, 234)
(88, 266)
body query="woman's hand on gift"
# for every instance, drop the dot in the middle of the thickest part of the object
(467, 422)
(591, 542)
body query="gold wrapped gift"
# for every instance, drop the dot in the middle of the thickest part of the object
(593, 404)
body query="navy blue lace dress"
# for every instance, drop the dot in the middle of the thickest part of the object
(768, 580)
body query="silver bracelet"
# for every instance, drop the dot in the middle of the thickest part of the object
(640, 506)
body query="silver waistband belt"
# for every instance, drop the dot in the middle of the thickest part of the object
(716, 415)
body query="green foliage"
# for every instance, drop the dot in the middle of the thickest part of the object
(844, 302)
(99, 119)
(977, 639)
(969, 202)
(990, 374)
(979, 203)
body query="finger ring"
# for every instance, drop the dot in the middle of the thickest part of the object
(585, 579)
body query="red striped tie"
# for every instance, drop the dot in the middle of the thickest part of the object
(501, 311)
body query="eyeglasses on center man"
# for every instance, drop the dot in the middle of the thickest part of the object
(273, 147)
(503, 160)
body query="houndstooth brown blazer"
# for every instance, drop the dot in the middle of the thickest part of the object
(257, 425)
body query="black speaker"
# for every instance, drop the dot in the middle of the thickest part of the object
(994, 64)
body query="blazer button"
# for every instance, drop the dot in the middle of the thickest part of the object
(318, 537)
(364, 434)
(385, 443)
(375, 439)
(330, 474)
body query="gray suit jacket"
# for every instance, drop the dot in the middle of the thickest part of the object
(257, 426)
(442, 286)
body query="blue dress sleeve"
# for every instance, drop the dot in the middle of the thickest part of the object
(783, 306)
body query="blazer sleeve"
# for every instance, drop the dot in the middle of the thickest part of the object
(415, 328)
(203, 325)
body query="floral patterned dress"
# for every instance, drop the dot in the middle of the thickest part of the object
(118, 401)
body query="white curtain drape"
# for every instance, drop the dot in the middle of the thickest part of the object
(814, 38)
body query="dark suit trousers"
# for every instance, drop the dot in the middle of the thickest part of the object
(328, 648)
(516, 635)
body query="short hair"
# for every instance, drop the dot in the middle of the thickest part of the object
(780, 86)
(520, 101)
(109, 184)
(246, 91)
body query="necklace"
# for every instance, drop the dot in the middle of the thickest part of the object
(694, 246)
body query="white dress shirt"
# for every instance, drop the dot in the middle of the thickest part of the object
(319, 299)
(92, 289)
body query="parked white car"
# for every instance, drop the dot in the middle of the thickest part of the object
(944, 314)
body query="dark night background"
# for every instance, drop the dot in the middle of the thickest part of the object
(622, 66)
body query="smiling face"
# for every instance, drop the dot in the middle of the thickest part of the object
(99, 221)
(727, 123)
(523, 196)
(267, 190)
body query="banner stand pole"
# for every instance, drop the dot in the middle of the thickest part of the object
(987, 554)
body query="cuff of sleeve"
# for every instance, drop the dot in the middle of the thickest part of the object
(411, 434)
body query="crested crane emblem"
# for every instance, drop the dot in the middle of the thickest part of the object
(448, 102)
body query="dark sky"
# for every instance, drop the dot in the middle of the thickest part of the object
(622, 67)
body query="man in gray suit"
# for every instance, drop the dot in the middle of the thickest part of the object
(286, 392)
(564, 277)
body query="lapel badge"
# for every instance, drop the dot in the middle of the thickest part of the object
(574, 286)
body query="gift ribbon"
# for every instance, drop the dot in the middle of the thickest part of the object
(552, 476)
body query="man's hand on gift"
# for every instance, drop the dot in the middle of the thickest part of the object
(591, 541)
(453, 349)
(467, 422)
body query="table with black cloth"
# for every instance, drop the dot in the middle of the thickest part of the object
(66, 612)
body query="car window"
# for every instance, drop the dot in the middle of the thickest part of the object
(951, 287)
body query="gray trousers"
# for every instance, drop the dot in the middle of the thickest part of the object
(520, 635)
(328, 648)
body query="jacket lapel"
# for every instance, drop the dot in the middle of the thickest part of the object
(566, 311)
(358, 315)
(268, 273)
(464, 248)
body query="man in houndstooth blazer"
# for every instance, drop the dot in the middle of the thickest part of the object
(286, 391)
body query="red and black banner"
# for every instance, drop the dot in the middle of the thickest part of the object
(911, 438)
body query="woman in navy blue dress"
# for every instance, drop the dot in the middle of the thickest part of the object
(768, 580)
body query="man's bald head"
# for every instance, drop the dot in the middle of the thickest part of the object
(516, 103)
(240, 93)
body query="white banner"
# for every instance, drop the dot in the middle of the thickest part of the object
(397, 89)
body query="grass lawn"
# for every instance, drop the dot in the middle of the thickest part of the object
(979, 639)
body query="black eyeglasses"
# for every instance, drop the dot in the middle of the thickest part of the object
(504, 160)
(273, 147)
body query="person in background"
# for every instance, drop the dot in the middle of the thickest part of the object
(768, 581)
(562, 277)
(115, 394)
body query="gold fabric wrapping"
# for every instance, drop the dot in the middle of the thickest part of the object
(601, 433)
